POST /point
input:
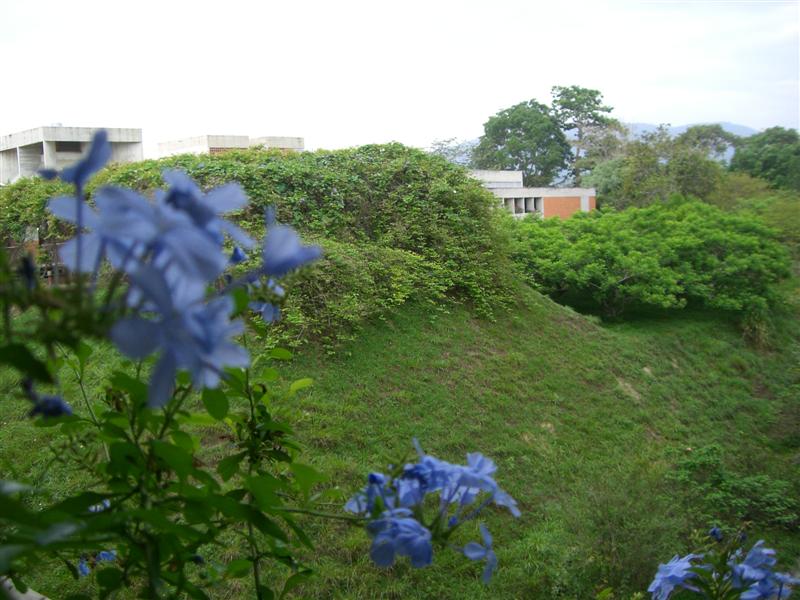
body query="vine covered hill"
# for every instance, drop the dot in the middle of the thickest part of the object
(395, 223)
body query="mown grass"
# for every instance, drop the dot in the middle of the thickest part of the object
(585, 421)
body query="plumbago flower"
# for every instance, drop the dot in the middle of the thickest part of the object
(395, 508)
(171, 251)
(721, 573)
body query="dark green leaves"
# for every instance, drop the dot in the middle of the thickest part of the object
(216, 403)
(19, 357)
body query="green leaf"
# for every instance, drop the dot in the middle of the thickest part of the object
(57, 533)
(264, 488)
(83, 352)
(109, 578)
(19, 357)
(300, 384)
(184, 440)
(238, 568)
(178, 459)
(216, 403)
(306, 476)
(269, 374)
(295, 580)
(136, 389)
(229, 466)
(280, 354)
(240, 299)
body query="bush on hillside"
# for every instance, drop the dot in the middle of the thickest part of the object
(381, 209)
(22, 205)
(664, 255)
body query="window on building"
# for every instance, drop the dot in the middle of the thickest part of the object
(68, 147)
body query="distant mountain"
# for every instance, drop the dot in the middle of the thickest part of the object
(638, 129)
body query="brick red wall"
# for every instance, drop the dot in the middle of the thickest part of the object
(561, 206)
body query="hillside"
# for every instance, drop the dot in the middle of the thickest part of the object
(586, 423)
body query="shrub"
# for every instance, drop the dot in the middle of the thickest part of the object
(379, 209)
(664, 255)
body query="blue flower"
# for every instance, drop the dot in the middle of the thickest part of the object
(50, 406)
(195, 337)
(204, 209)
(768, 588)
(237, 256)
(674, 574)
(83, 568)
(284, 251)
(269, 312)
(397, 534)
(756, 566)
(364, 501)
(100, 507)
(106, 555)
(474, 551)
(716, 534)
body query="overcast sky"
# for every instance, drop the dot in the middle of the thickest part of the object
(347, 73)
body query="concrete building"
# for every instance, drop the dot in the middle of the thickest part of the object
(23, 154)
(547, 202)
(213, 144)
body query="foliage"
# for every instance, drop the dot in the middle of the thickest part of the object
(665, 255)
(711, 140)
(719, 495)
(525, 137)
(723, 571)
(152, 508)
(22, 206)
(773, 155)
(581, 111)
(367, 203)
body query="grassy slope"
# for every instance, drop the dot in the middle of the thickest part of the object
(584, 421)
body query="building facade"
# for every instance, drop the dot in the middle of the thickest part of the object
(23, 154)
(214, 144)
(546, 202)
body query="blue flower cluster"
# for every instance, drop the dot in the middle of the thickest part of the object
(46, 406)
(171, 251)
(753, 575)
(85, 564)
(395, 508)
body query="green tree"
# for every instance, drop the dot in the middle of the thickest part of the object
(666, 255)
(711, 140)
(773, 155)
(525, 137)
(581, 111)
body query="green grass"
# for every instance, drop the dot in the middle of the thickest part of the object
(585, 421)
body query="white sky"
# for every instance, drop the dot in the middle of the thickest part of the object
(348, 73)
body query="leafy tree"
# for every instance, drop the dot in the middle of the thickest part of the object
(711, 140)
(693, 173)
(773, 155)
(665, 255)
(524, 137)
(581, 110)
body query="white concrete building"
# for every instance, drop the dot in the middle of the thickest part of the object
(547, 202)
(23, 154)
(213, 144)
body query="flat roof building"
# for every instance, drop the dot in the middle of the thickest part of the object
(214, 144)
(23, 154)
(545, 201)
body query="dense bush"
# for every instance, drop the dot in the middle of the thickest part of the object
(22, 205)
(665, 255)
(387, 213)
(719, 495)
